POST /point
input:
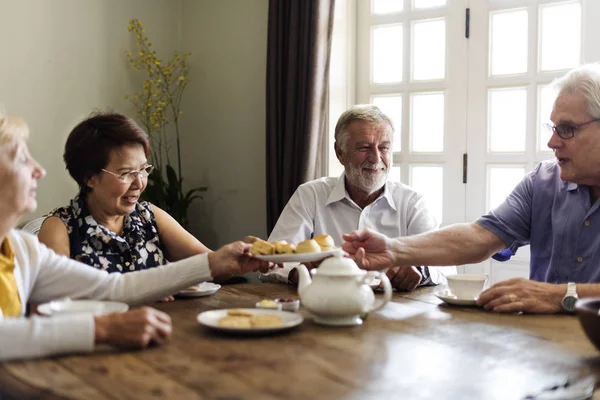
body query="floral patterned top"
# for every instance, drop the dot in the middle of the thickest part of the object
(137, 248)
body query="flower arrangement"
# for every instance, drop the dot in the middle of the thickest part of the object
(158, 106)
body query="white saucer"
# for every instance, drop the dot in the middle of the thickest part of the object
(449, 298)
(211, 319)
(69, 306)
(374, 283)
(203, 289)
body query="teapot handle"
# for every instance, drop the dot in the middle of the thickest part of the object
(387, 288)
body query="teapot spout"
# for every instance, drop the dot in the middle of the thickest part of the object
(304, 279)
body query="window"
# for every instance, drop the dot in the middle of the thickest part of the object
(486, 96)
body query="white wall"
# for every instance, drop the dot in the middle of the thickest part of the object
(224, 120)
(61, 59)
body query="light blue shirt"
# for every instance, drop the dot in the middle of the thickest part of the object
(559, 222)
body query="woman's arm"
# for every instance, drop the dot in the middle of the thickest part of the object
(53, 234)
(178, 242)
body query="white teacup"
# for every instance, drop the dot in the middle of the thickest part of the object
(466, 286)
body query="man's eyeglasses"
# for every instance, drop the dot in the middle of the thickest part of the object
(566, 131)
(129, 177)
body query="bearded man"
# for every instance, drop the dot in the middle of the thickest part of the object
(361, 197)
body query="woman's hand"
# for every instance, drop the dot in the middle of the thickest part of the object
(234, 259)
(133, 329)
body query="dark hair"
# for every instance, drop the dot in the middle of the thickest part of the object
(89, 144)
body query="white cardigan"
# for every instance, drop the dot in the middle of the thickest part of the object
(43, 275)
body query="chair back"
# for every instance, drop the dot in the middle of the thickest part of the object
(32, 226)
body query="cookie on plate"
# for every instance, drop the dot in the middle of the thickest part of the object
(236, 312)
(265, 321)
(235, 322)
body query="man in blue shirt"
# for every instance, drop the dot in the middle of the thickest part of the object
(554, 209)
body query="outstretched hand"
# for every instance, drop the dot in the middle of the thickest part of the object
(370, 250)
(234, 259)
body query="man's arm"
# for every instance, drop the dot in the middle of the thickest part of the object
(454, 245)
(420, 220)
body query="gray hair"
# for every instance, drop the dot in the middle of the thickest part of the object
(361, 112)
(12, 128)
(585, 80)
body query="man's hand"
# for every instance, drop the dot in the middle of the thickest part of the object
(404, 278)
(523, 295)
(133, 329)
(370, 250)
(233, 259)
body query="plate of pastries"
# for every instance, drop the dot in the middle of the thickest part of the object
(315, 249)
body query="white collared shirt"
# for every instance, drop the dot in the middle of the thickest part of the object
(323, 206)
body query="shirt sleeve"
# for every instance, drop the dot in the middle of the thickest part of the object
(60, 276)
(38, 337)
(421, 220)
(511, 220)
(295, 224)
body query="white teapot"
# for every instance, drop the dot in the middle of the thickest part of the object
(338, 294)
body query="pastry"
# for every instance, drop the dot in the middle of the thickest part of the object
(236, 312)
(261, 247)
(265, 321)
(283, 247)
(325, 242)
(308, 246)
(235, 322)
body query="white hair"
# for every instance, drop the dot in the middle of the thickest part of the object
(360, 112)
(585, 80)
(12, 128)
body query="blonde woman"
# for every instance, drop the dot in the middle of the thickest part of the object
(29, 271)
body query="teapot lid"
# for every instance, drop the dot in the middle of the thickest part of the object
(339, 265)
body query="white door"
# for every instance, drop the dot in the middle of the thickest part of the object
(516, 49)
(411, 65)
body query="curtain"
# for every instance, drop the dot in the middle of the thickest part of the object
(298, 50)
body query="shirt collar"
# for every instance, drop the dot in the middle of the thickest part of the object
(94, 228)
(566, 186)
(339, 192)
(7, 257)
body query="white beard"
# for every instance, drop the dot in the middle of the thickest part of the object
(369, 183)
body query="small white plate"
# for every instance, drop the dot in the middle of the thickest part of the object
(62, 307)
(299, 257)
(449, 298)
(203, 289)
(211, 319)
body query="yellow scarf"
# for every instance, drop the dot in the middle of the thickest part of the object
(10, 302)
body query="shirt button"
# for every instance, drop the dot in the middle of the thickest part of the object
(580, 259)
(587, 223)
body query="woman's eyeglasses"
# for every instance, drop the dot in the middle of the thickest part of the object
(129, 177)
(566, 131)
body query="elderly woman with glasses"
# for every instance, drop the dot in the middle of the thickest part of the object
(106, 225)
(29, 271)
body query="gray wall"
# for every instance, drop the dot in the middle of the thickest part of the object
(61, 59)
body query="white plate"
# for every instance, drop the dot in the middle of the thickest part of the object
(299, 257)
(449, 298)
(203, 289)
(211, 319)
(62, 307)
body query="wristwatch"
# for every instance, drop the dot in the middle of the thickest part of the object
(568, 302)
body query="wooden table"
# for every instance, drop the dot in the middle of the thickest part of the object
(414, 348)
